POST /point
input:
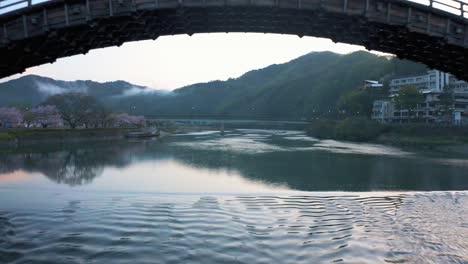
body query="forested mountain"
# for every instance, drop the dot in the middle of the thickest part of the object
(32, 90)
(308, 85)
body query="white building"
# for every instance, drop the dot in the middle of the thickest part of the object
(460, 92)
(372, 84)
(432, 85)
(382, 111)
(434, 81)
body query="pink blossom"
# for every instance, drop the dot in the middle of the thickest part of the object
(125, 120)
(47, 115)
(10, 117)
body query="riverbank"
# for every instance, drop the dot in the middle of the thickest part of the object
(15, 137)
(450, 139)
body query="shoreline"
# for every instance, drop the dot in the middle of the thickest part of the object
(414, 136)
(11, 139)
(16, 138)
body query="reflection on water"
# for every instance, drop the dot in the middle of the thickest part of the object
(358, 148)
(383, 228)
(241, 161)
(251, 196)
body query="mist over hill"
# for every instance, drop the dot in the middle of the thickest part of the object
(305, 86)
(33, 89)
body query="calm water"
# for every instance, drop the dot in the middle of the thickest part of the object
(251, 196)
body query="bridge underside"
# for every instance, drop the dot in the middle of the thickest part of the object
(47, 43)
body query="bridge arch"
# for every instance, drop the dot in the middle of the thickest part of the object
(35, 34)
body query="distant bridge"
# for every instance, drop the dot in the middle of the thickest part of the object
(233, 123)
(34, 32)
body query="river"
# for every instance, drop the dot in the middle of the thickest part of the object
(250, 196)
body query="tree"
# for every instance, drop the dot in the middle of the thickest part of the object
(28, 118)
(446, 102)
(75, 108)
(358, 102)
(100, 117)
(126, 120)
(408, 99)
(10, 117)
(47, 115)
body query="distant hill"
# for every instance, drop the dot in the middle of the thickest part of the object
(302, 87)
(33, 89)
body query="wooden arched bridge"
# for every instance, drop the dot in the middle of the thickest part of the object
(34, 32)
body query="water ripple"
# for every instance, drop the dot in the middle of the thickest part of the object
(394, 228)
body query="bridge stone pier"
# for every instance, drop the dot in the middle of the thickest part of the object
(34, 33)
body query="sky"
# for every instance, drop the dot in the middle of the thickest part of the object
(172, 62)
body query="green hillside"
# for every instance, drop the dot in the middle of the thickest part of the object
(301, 88)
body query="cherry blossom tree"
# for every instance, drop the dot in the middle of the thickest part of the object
(47, 115)
(10, 117)
(126, 120)
(75, 108)
(28, 118)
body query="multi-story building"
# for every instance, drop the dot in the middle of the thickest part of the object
(460, 94)
(382, 111)
(432, 85)
(434, 81)
(372, 84)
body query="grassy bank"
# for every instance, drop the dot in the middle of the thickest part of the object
(351, 129)
(424, 136)
(19, 136)
(364, 130)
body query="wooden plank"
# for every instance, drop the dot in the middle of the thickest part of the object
(111, 9)
(65, 11)
(88, 11)
(408, 19)
(25, 26)
(466, 36)
(5, 32)
(389, 10)
(428, 24)
(44, 17)
(447, 29)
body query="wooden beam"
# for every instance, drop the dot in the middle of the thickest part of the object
(25, 26)
(428, 24)
(65, 11)
(5, 33)
(389, 10)
(45, 17)
(88, 11)
(447, 28)
(465, 42)
(409, 14)
(111, 9)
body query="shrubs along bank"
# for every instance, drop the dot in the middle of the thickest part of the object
(351, 129)
(361, 129)
(14, 137)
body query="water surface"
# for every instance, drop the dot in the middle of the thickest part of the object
(251, 196)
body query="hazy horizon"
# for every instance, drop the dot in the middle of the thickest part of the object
(173, 62)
